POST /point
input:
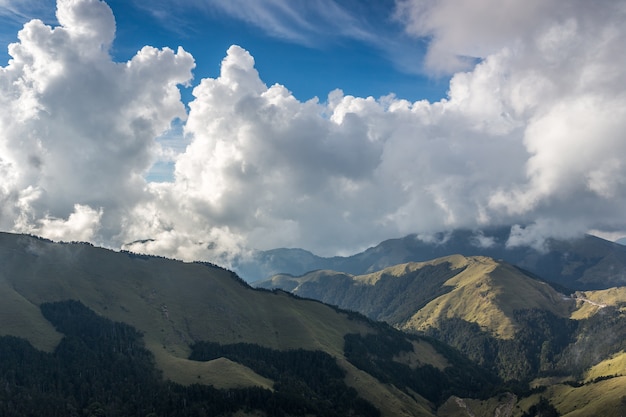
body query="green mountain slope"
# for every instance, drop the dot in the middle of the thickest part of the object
(202, 325)
(417, 296)
(495, 313)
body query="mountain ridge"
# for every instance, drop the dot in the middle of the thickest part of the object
(174, 305)
(488, 309)
(461, 278)
(210, 334)
(584, 263)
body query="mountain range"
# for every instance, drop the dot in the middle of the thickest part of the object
(83, 327)
(584, 263)
(482, 307)
(503, 318)
(86, 331)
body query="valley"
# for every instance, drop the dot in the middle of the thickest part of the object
(175, 306)
(451, 336)
(529, 331)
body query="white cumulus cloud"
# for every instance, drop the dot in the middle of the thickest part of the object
(531, 134)
(81, 225)
(76, 128)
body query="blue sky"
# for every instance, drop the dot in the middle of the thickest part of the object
(431, 115)
(310, 61)
(310, 58)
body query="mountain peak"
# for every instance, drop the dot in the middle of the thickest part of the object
(488, 293)
(416, 296)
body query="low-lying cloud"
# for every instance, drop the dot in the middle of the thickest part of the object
(532, 135)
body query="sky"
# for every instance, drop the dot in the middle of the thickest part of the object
(204, 129)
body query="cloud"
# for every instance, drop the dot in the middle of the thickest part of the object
(261, 164)
(461, 30)
(481, 241)
(536, 235)
(19, 9)
(531, 135)
(300, 21)
(322, 24)
(13, 13)
(350, 170)
(77, 129)
(81, 225)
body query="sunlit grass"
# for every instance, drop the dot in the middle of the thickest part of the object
(603, 398)
(487, 293)
(172, 303)
(590, 302)
(21, 318)
(615, 365)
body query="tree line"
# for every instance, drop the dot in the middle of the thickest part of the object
(102, 368)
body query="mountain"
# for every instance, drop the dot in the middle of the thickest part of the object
(414, 296)
(586, 263)
(494, 312)
(88, 331)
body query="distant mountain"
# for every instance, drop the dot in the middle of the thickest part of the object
(585, 263)
(87, 331)
(495, 313)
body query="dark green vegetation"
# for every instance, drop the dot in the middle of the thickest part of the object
(538, 348)
(375, 354)
(392, 299)
(506, 320)
(101, 368)
(307, 382)
(595, 339)
(125, 349)
(543, 408)
(499, 316)
(581, 264)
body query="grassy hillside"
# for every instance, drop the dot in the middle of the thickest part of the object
(589, 303)
(573, 347)
(418, 296)
(615, 365)
(601, 398)
(392, 295)
(175, 305)
(488, 293)
(497, 314)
